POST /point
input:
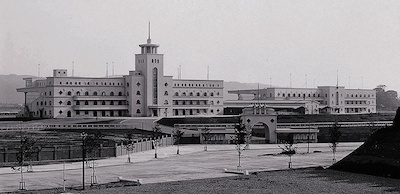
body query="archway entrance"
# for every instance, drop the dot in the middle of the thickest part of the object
(259, 133)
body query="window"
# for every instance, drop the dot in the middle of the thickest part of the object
(69, 103)
(69, 93)
(166, 93)
(103, 93)
(78, 103)
(155, 85)
(111, 93)
(119, 93)
(166, 102)
(94, 93)
(103, 102)
(86, 93)
(184, 94)
(138, 111)
(198, 94)
(191, 94)
(86, 102)
(205, 94)
(212, 94)
(138, 102)
(111, 102)
(78, 93)
(95, 103)
(176, 94)
(138, 93)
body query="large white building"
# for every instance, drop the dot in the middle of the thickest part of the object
(144, 92)
(323, 99)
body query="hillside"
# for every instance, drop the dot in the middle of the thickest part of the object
(379, 155)
(8, 89)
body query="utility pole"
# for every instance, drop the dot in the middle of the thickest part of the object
(83, 135)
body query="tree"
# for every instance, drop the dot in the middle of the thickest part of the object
(129, 144)
(334, 135)
(26, 151)
(92, 143)
(206, 133)
(156, 135)
(288, 148)
(240, 141)
(177, 136)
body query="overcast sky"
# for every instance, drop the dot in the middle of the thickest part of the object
(246, 41)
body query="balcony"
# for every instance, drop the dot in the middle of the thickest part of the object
(100, 107)
(99, 97)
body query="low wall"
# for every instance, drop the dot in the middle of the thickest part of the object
(9, 155)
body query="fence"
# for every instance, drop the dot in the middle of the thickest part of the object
(9, 155)
(143, 145)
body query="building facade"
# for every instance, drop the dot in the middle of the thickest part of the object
(144, 92)
(323, 99)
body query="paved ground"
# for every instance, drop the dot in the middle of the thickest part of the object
(192, 163)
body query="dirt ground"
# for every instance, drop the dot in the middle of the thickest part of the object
(309, 180)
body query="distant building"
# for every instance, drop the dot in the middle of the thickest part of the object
(324, 99)
(144, 92)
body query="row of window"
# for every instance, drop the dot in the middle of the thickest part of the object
(95, 93)
(196, 85)
(359, 95)
(194, 102)
(197, 94)
(152, 61)
(357, 110)
(93, 83)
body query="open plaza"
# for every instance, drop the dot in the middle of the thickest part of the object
(192, 163)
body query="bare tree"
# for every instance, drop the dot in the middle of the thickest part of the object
(92, 143)
(240, 141)
(129, 144)
(157, 134)
(26, 151)
(206, 133)
(288, 148)
(334, 135)
(177, 136)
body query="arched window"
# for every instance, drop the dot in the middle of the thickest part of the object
(191, 94)
(184, 94)
(103, 102)
(103, 93)
(69, 103)
(69, 93)
(198, 94)
(176, 94)
(166, 93)
(138, 92)
(138, 111)
(205, 94)
(138, 102)
(111, 93)
(94, 93)
(86, 93)
(78, 93)
(86, 102)
(95, 103)
(212, 94)
(119, 93)
(78, 103)
(69, 114)
(166, 102)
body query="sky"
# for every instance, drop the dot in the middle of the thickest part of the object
(283, 43)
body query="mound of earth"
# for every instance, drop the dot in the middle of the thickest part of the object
(379, 155)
